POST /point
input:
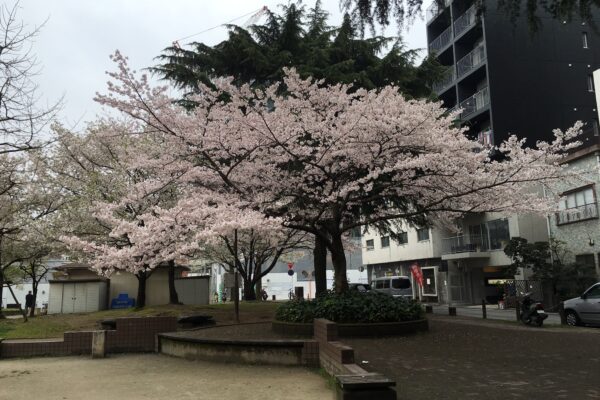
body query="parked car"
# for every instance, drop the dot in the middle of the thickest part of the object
(361, 287)
(397, 286)
(584, 309)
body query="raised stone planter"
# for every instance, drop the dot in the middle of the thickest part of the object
(357, 330)
(266, 352)
(293, 328)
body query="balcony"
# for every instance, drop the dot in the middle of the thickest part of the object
(475, 103)
(465, 246)
(441, 41)
(465, 21)
(471, 61)
(447, 80)
(576, 214)
(435, 9)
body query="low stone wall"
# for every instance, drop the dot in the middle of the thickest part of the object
(292, 328)
(132, 334)
(269, 352)
(353, 382)
(356, 330)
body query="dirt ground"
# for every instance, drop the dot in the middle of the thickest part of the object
(152, 376)
(464, 359)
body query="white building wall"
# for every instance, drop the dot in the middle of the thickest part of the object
(22, 290)
(412, 250)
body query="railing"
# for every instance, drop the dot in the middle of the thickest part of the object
(575, 214)
(441, 41)
(434, 9)
(465, 244)
(449, 77)
(471, 61)
(476, 102)
(465, 21)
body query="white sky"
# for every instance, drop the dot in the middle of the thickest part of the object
(73, 46)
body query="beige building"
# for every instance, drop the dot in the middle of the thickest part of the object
(75, 287)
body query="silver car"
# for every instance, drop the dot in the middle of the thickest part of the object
(584, 309)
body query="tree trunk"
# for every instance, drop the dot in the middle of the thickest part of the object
(249, 293)
(140, 302)
(320, 264)
(1, 289)
(258, 284)
(173, 297)
(338, 258)
(34, 291)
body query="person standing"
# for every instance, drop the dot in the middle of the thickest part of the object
(29, 306)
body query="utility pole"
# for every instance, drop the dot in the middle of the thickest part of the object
(236, 290)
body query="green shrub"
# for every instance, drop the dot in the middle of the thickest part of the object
(350, 307)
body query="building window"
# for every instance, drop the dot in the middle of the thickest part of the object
(423, 234)
(402, 238)
(584, 39)
(585, 260)
(590, 83)
(385, 241)
(498, 233)
(370, 244)
(577, 205)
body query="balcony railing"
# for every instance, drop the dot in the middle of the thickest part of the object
(471, 61)
(575, 214)
(435, 9)
(465, 244)
(465, 21)
(449, 77)
(475, 103)
(441, 41)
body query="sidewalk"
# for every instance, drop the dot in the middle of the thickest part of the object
(492, 313)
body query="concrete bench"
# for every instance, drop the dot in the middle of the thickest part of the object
(365, 387)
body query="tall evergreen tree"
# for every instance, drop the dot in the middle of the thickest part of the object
(301, 39)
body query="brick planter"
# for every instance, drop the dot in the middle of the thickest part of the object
(357, 330)
(132, 334)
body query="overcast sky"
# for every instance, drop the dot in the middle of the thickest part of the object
(78, 36)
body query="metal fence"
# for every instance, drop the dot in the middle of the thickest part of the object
(515, 288)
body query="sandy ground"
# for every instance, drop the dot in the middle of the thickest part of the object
(151, 376)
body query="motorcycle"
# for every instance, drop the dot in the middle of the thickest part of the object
(532, 312)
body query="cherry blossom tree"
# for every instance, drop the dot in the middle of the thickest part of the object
(326, 159)
(107, 192)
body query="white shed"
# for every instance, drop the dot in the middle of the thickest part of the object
(75, 296)
(193, 289)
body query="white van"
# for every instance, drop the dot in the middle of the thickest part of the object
(397, 286)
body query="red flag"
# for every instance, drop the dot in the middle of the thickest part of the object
(417, 274)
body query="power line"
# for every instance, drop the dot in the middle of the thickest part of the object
(259, 11)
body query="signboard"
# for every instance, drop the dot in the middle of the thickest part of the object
(417, 274)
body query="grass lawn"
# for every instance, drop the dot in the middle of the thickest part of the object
(53, 326)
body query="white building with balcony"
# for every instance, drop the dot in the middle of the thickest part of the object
(457, 268)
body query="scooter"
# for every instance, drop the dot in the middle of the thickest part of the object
(532, 312)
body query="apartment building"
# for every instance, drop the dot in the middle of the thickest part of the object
(458, 268)
(508, 80)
